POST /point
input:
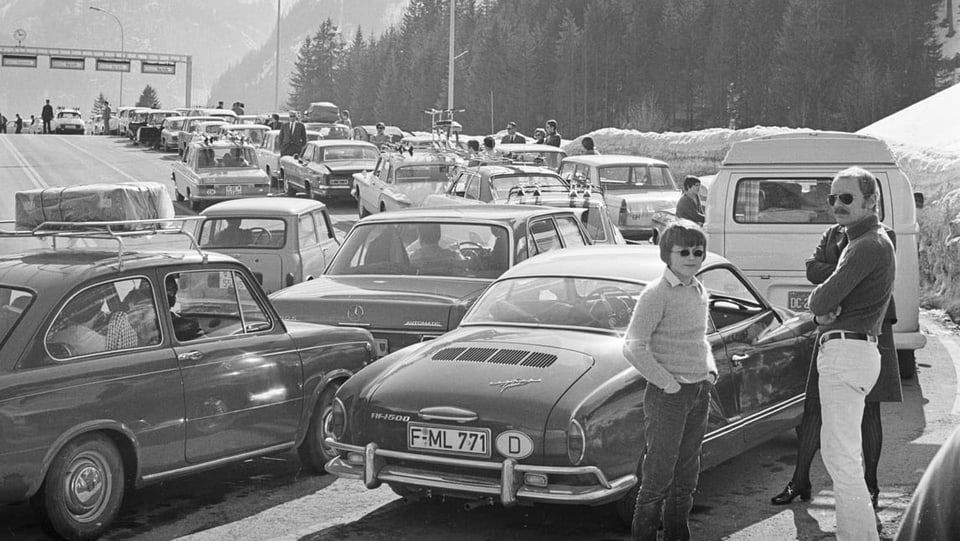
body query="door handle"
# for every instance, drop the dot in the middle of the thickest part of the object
(190, 356)
(737, 359)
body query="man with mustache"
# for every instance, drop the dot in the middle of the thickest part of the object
(848, 308)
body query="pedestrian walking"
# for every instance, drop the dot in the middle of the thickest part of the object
(293, 136)
(553, 136)
(666, 342)
(105, 111)
(18, 124)
(512, 136)
(688, 206)
(849, 308)
(47, 116)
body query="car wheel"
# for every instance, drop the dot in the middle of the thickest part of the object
(908, 363)
(314, 454)
(628, 503)
(81, 494)
(362, 212)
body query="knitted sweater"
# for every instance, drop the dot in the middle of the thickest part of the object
(666, 340)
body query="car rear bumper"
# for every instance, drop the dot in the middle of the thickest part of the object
(344, 191)
(375, 466)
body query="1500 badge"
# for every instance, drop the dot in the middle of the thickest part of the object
(389, 417)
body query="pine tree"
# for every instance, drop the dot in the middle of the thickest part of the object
(149, 98)
(98, 104)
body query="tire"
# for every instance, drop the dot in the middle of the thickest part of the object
(908, 363)
(81, 494)
(360, 210)
(313, 454)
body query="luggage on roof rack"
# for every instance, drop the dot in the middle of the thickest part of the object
(93, 203)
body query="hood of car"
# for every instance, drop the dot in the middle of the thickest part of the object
(421, 303)
(476, 378)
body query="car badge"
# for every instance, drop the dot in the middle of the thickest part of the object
(355, 313)
(510, 383)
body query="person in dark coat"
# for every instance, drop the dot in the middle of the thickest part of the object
(553, 136)
(689, 207)
(18, 124)
(105, 111)
(47, 116)
(512, 136)
(887, 389)
(293, 136)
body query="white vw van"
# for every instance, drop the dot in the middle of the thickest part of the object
(767, 208)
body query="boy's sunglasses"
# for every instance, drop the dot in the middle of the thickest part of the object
(686, 252)
(845, 198)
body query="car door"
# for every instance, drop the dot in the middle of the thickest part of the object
(314, 242)
(763, 366)
(241, 371)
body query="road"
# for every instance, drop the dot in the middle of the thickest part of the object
(271, 498)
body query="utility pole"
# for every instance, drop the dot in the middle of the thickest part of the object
(453, 10)
(276, 81)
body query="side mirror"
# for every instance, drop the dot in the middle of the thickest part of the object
(918, 200)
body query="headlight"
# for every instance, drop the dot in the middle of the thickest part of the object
(338, 419)
(576, 442)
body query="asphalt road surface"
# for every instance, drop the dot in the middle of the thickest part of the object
(272, 498)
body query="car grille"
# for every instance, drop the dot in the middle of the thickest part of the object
(516, 357)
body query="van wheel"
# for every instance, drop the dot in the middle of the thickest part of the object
(314, 454)
(81, 494)
(908, 363)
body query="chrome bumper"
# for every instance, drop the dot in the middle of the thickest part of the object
(510, 487)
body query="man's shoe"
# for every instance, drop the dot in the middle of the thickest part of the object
(789, 494)
(874, 498)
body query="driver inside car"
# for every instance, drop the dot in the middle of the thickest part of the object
(429, 250)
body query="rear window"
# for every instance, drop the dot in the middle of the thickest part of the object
(800, 200)
(637, 178)
(243, 233)
(434, 172)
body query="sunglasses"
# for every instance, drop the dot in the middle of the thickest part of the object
(845, 198)
(685, 252)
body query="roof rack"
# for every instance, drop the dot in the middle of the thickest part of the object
(115, 230)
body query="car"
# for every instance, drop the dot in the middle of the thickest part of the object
(325, 168)
(493, 183)
(68, 121)
(283, 241)
(533, 153)
(121, 368)
(420, 142)
(366, 131)
(322, 111)
(218, 170)
(170, 132)
(208, 129)
(329, 130)
(137, 118)
(148, 134)
(251, 133)
(269, 151)
(635, 188)
(402, 180)
(589, 205)
(128, 115)
(94, 125)
(225, 115)
(383, 279)
(188, 129)
(530, 399)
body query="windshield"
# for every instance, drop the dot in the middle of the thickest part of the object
(209, 158)
(632, 178)
(243, 233)
(253, 136)
(348, 153)
(500, 186)
(13, 303)
(424, 248)
(563, 301)
(433, 172)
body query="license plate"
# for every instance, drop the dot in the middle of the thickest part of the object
(797, 300)
(383, 347)
(339, 182)
(460, 441)
(234, 190)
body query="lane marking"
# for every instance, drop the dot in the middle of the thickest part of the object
(99, 159)
(28, 169)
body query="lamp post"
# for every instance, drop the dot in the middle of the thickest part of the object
(101, 10)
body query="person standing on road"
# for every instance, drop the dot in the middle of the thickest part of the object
(689, 207)
(887, 389)
(18, 124)
(666, 342)
(512, 136)
(849, 307)
(3, 123)
(293, 136)
(47, 116)
(553, 136)
(105, 111)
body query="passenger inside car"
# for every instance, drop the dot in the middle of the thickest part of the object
(78, 328)
(231, 234)
(184, 328)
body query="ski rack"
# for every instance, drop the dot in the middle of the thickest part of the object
(442, 127)
(115, 230)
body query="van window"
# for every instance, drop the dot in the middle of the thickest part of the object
(784, 200)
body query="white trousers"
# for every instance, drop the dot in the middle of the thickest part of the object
(848, 370)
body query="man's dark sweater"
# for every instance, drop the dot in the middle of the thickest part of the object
(690, 209)
(862, 283)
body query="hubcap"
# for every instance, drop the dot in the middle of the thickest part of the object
(87, 486)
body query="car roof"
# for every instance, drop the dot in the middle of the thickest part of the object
(529, 147)
(262, 206)
(219, 143)
(613, 159)
(637, 262)
(341, 143)
(238, 127)
(400, 159)
(56, 271)
(511, 169)
(490, 211)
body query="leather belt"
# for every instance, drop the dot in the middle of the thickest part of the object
(846, 335)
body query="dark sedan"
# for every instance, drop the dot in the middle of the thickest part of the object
(531, 399)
